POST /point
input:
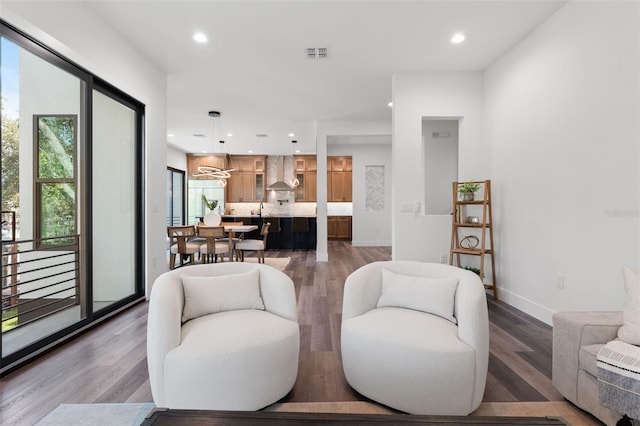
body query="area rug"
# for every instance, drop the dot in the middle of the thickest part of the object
(97, 414)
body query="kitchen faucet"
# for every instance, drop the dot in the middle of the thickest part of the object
(260, 211)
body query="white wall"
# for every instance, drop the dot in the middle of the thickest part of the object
(562, 123)
(417, 236)
(369, 228)
(176, 159)
(72, 30)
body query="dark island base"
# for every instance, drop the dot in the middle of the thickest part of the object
(285, 233)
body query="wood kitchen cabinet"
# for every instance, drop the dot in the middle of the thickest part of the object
(305, 170)
(339, 227)
(339, 164)
(339, 179)
(305, 163)
(247, 182)
(212, 160)
(339, 187)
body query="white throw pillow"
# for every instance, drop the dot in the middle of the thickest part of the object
(432, 295)
(208, 295)
(630, 330)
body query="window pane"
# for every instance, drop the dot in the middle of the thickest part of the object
(57, 214)
(114, 204)
(41, 112)
(178, 197)
(56, 146)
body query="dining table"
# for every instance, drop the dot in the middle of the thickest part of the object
(232, 229)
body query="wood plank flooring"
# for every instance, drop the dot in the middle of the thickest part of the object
(108, 363)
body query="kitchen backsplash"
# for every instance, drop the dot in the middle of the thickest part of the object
(273, 208)
(339, 209)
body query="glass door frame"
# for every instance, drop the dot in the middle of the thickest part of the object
(89, 82)
(171, 197)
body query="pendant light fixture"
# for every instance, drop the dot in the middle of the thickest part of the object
(294, 181)
(219, 174)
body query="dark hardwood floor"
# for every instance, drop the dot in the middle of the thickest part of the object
(108, 363)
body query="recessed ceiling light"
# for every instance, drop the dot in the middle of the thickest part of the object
(204, 151)
(229, 135)
(200, 38)
(297, 150)
(170, 135)
(457, 38)
(250, 151)
(390, 104)
(291, 135)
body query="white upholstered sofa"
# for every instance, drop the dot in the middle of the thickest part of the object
(217, 340)
(415, 336)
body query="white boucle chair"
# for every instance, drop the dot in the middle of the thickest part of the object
(239, 359)
(405, 357)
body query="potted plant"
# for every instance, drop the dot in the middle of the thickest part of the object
(211, 204)
(472, 269)
(467, 190)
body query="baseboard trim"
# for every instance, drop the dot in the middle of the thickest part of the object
(527, 306)
(356, 243)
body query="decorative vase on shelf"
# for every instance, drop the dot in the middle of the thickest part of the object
(467, 196)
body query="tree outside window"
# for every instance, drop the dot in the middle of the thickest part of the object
(55, 180)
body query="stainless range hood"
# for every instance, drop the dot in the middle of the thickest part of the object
(280, 184)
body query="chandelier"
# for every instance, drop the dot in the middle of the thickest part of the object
(217, 173)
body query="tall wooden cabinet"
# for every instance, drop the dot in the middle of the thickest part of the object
(306, 171)
(248, 182)
(472, 232)
(339, 179)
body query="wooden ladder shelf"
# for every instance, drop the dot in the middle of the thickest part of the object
(473, 218)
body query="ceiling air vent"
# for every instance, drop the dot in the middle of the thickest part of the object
(317, 53)
(262, 135)
(199, 135)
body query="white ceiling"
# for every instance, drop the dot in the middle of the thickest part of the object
(254, 70)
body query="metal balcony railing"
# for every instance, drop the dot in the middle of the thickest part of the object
(39, 278)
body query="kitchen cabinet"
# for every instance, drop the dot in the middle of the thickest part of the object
(339, 227)
(247, 182)
(281, 235)
(305, 163)
(306, 172)
(196, 160)
(339, 164)
(339, 179)
(339, 187)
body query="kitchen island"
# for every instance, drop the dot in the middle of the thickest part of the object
(285, 232)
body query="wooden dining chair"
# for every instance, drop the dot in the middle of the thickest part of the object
(256, 245)
(214, 245)
(182, 244)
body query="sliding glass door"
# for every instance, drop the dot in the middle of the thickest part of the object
(113, 204)
(175, 197)
(72, 191)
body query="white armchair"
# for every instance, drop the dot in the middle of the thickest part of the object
(409, 359)
(238, 359)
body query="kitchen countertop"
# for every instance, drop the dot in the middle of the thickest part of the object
(267, 216)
